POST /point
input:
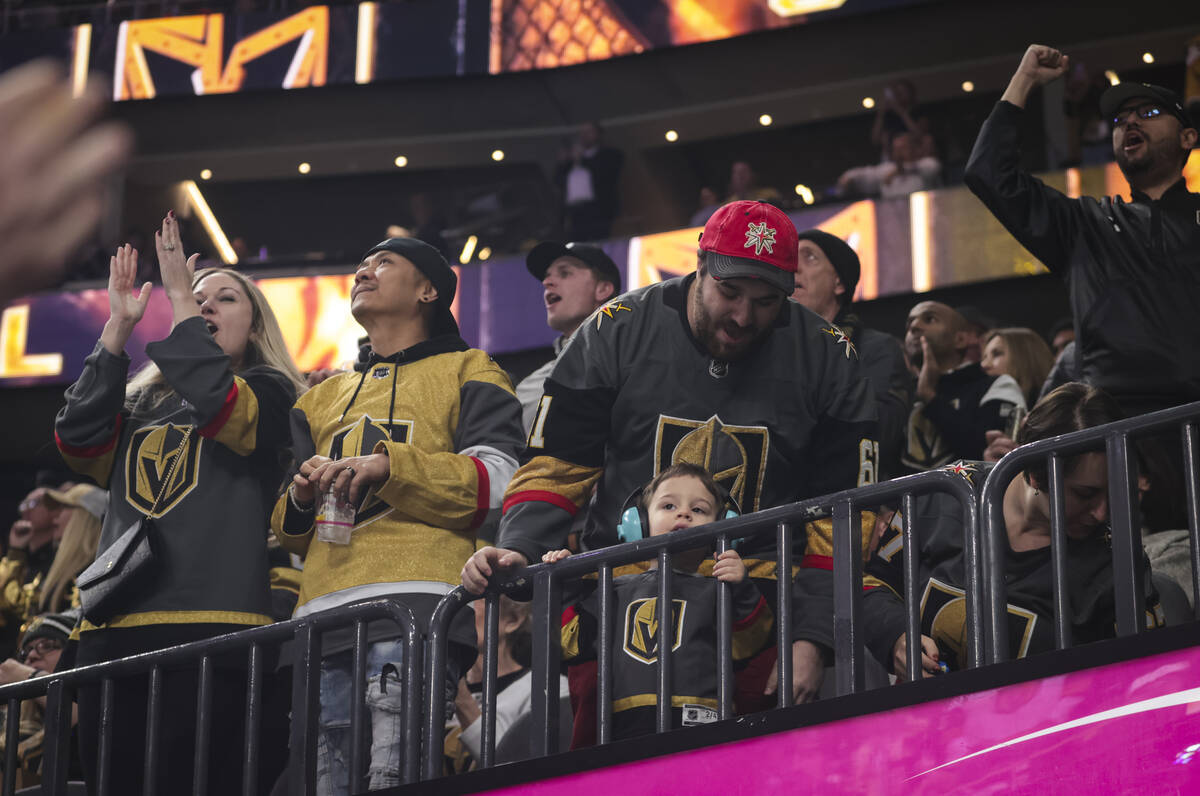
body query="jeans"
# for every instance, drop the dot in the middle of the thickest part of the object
(385, 713)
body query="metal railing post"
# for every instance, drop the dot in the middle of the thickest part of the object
(847, 598)
(783, 613)
(1058, 553)
(547, 653)
(1126, 536)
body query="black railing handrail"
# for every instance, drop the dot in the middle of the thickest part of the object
(547, 580)
(306, 631)
(1114, 440)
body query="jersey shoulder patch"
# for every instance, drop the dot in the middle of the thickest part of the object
(610, 311)
(838, 338)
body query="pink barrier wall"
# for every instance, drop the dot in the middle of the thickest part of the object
(1132, 727)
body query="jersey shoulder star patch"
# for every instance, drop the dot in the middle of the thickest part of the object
(966, 471)
(839, 337)
(610, 310)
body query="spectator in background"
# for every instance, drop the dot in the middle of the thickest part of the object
(743, 184)
(1027, 562)
(826, 279)
(576, 280)
(421, 439)
(587, 176)
(709, 203)
(956, 401)
(514, 680)
(45, 638)
(1061, 334)
(32, 541)
(1131, 266)
(906, 171)
(209, 413)
(897, 112)
(978, 324)
(1022, 354)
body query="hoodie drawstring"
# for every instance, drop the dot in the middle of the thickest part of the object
(392, 404)
(361, 379)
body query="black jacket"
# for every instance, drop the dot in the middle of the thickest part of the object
(1133, 269)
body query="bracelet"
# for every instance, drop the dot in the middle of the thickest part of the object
(291, 491)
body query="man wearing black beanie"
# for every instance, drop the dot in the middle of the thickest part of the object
(825, 283)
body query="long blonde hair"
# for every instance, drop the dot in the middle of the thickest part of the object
(80, 538)
(1029, 358)
(265, 347)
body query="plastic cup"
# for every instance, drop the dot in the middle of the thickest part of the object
(335, 518)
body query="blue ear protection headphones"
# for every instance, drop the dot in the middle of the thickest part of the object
(635, 524)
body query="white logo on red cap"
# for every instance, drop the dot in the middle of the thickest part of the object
(760, 236)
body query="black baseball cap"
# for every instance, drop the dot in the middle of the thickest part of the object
(430, 262)
(540, 258)
(1118, 95)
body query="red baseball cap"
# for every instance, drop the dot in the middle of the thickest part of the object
(751, 240)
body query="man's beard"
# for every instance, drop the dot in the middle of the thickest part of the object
(706, 332)
(1159, 157)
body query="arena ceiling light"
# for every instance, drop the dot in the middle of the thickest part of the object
(968, 86)
(1148, 57)
(485, 253)
(805, 193)
(468, 250)
(765, 120)
(1112, 77)
(497, 155)
(304, 168)
(80, 59)
(401, 161)
(209, 221)
(868, 102)
(364, 61)
(671, 136)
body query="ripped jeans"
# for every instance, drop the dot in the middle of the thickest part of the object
(385, 712)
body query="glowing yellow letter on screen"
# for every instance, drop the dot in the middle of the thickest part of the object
(14, 362)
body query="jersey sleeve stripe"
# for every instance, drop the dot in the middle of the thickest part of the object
(817, 562)
(753, 617)
(90, 451)
(483, 493)
(538, 495)
(217, 423)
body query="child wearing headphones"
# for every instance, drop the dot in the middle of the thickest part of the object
(681, 496)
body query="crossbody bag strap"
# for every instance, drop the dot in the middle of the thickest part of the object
(162, 490)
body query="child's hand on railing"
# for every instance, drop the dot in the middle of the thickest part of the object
(729, 567)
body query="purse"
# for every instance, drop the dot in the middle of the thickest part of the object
(125, 567)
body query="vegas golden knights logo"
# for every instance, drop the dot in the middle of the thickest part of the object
(151, 452)
(735, 455)
(360, 439)
(944, 619)
(641, 628)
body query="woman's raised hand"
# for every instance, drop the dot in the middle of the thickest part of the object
(125, 308)
(176, 268)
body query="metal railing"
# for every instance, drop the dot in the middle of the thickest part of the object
(984, 548)
(547, 580)
(305, 633)
(1115, 440)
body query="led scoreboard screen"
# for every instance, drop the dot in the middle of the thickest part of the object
(375, 42)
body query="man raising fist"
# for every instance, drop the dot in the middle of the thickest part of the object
(1130, 265)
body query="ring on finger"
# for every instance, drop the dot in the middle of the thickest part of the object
(169, 247)
(351, 471)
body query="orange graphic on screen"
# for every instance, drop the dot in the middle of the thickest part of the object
(653, 258)
(199, 42)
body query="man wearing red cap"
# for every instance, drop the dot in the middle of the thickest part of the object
(716, 368)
